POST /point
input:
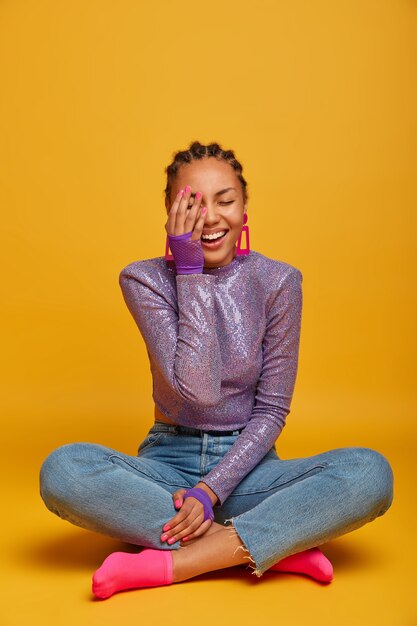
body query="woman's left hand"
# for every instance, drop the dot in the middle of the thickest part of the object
(188, 522)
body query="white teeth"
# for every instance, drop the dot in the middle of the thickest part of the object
(216, 236)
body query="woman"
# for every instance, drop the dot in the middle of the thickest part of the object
(207, 489)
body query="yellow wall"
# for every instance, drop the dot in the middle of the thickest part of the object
(318, 100)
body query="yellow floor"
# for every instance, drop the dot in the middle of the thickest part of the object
(48, 562)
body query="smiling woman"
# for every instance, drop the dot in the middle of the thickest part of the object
(207, 489)
(211, 178)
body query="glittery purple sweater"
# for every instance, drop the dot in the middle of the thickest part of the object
(223, 349)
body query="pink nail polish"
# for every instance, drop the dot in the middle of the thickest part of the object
(177, 502)
(198, 195)
(204, 209)
(181, 191)
(187, 189)
(172, 540)
(164, 537)
(185, 538)
(166, 527)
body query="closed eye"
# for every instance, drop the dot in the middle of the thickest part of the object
(190, 206)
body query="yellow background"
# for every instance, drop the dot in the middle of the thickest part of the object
(318, 101)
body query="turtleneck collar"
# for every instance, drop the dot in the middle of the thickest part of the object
(224, 269)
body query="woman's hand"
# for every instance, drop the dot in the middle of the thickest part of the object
(182, 219)
(188, 522)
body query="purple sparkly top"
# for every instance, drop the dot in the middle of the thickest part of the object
(223, 349)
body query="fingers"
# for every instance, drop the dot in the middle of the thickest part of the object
(185, 214)
(184, 519)
(176, 523)
(180, 213)
(199, 224)
(185, 522)
(200, 531)
(192, 213)
(170, 225)
(177, 498)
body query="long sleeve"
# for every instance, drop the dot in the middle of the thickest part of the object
(181, 342)
(274, 391)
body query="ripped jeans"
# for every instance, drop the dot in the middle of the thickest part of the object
(280, 508)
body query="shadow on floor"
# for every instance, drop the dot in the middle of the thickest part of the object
(75, 550)
(85, 550)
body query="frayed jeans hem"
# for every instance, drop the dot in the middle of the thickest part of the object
(256, 568)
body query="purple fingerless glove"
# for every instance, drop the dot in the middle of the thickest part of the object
(188, 255)
(204, 498)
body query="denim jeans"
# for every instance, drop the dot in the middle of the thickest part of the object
(280, 508)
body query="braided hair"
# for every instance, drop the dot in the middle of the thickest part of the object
(196, 150)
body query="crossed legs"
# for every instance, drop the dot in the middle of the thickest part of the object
(103, 490)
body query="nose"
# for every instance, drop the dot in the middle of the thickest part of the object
(211, 216)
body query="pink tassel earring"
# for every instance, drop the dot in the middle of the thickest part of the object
(168, 257)
(245, 229)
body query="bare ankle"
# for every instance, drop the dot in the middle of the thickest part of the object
(211, 552)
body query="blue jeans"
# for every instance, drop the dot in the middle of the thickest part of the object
(280, 508)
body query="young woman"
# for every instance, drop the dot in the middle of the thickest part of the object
(207, 489)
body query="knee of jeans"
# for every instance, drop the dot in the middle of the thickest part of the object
(56, 473)
(375, 468)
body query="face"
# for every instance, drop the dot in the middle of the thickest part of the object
(225, 209)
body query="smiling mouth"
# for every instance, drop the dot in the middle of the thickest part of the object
(212, 241)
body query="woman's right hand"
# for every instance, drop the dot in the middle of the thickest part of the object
(184, 230)
(182, 219)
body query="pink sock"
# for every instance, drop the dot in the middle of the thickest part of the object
(122, 570)
(311, 562)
